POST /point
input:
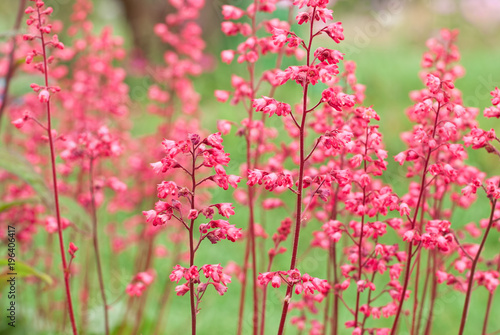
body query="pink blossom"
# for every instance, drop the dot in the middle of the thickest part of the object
(221, 96)
(72, 249)
(335, 31)
(227, 56)
(231, 12)
(44, 96)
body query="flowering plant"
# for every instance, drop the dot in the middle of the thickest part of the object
(332, 232)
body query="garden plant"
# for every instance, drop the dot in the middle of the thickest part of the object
(137, 197)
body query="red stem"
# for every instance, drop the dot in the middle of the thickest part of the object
(473, 269)
(243, 287)
(417, 279)
(424, 293)
(54, 182)
(10, 71)
(410, 245)
(95, 241)
(335, 319)
(490, 301)
(264, 297)
(428, 327)
(360, 243)
(298, 213)
(251, 219)
(191, 244)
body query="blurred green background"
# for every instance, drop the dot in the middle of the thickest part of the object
(386, 39)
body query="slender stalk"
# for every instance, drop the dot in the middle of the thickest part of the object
(410, 245)
(428, 327)
(327, 303)
(360, 243)
(95, 241)
(368, 300)
(333, 260)
(488, 305)
(473, 269)
(424, 294)
(10, 66)
(298, 212)
(417, 278)
(264, 298)
(250, 247)
(191, 243)
(55, 187)
(85, 300)
(335, 318)
(145, 295)
(243, 287)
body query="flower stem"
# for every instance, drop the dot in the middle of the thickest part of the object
(490, 301)
(55, 187)
(473, 269)
(413, 221)
(10, 66)
(298, 212)
(243, 287)
(95, 241)
(360, 243)
(191, 244)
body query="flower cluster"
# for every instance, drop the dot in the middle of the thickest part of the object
(214, 273)
(140, 283)
(301, 283)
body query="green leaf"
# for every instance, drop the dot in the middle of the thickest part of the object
(14, 163)
(22, 270)
(8, 205)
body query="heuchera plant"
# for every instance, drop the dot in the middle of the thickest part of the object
(201, 153)
(314, 164)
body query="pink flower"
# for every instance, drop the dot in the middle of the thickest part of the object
(18, 123)
(72, 249)
(135, 289)
(214, 140)
(150, 215)
(167, 188)
(145, 277)
(221, 289)
(230, 28)
(224, 126)
(231, 12)
(182, 289)
(329, 56)
(276, 281)
(193, 214)
(400, 158)
(225, 209)
(221, 96)
(227, 56)
(335, 31)
(177, 274)
(303, 17)
(433, 83)
(51, 224)
(496, 96)
(337, 100)
(270, 106)
(404, 209)
(44, 96)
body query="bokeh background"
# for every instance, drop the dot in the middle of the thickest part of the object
(386, 38)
